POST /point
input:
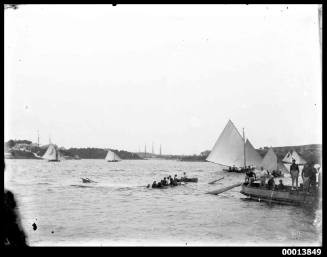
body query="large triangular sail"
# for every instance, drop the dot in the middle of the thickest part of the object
(229, 149)
(111, 156)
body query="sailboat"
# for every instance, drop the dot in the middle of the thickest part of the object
(232, 150)
(52, 154)
(112, 157)
(270, 163)
(293, 155)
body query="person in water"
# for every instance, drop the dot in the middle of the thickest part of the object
(294, 170)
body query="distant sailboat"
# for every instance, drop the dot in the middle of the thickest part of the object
(52, 154)
(231, 149)
(112, 157)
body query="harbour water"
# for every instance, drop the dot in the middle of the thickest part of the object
(120, 210)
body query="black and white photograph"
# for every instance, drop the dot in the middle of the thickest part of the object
(163, 125)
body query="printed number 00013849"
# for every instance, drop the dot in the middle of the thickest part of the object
(301, 251)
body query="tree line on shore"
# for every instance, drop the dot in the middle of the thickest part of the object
(308, 152)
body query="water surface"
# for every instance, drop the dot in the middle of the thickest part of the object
(120, 210)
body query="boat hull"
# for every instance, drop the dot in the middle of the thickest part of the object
(238, 170)
(53, 160)
(287, 196)
(168, 186)
(113, 161)
(195, 180)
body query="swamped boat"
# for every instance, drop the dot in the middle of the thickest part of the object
(286, 196)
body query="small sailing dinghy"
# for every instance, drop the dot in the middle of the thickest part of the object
(233, 151)
(112, 157)
(52, 154)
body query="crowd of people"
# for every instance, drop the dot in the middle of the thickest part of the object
(308, 175)
(168, 181)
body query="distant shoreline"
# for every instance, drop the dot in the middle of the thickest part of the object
(24, 149)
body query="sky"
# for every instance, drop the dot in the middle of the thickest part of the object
(124, 76)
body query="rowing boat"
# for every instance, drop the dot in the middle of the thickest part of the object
(195, 180)
(167, 186)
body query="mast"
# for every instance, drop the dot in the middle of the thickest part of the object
(145, 150)
(160, 149)
(244, 149)
(320, 28)
(38, 139)
(152, 148)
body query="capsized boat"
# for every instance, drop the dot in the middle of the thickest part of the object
(286, 196)
(232, 150)
(112, 157)
(53, 154)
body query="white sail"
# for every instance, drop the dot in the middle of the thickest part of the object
(281, 167)
(52, 153)
(111, 156)
(294, 155)
(298, 160)
(252, 157)
(269, 162)
(229, 147)
(287, 158)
